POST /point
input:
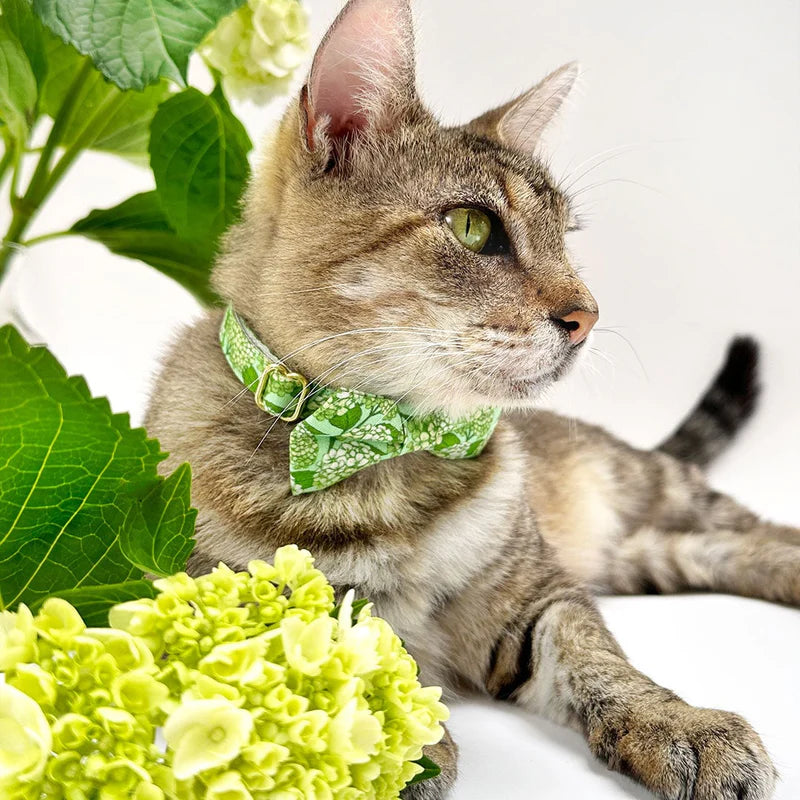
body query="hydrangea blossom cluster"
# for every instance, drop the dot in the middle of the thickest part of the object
(257, 48)
(231, 686)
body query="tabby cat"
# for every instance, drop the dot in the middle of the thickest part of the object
(384, 253)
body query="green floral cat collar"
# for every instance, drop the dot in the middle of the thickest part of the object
(342, 431)
(277, 391)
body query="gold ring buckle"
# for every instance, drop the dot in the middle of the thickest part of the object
(292, 376)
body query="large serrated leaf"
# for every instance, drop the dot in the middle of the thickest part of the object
(198, 153)
(65, 460)
(135, 42)
(138, 228)
(22, 22)
(18, 90)
(158, 531)
(109, 118)
(94, 602)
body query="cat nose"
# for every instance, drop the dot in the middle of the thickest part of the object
(577, 323)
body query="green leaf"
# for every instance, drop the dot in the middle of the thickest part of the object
(18, 92)
(63, 64)
(138, 228)
(94, 602)
(135, 42)
(157, 535)
(106, 117)
(65, 460)
(22, 22)
(430, 769)
(198, 153)
(357, 606)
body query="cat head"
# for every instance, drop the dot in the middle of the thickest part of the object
(382, 251)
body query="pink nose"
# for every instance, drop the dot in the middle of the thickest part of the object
(577, 324)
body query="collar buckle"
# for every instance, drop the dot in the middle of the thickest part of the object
(299, 399)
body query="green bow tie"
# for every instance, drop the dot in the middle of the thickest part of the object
(341, 430)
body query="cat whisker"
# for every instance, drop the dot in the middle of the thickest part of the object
(568, 188)
(592, 186)
(423, 363)
(605, 356)
(480, 360)
(420, 381)
(363, 353)
(570, 170)
(269, 430)
(610, 155)
(589, 370)
(436, 350)
(383, 329)
(385, 372)
(244, 390)
(403, 365)
(627, 342)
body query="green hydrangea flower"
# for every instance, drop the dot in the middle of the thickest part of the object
(206, 734)
(258, 47)
(231, 686)
(17, 638)
(25, 742)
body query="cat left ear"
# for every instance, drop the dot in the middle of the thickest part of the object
(362, 75)
(520, 123)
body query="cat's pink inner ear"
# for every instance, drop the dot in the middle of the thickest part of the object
(363, 66)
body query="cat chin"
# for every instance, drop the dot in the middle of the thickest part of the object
(463, 396)
(517, 391)
(521, 393)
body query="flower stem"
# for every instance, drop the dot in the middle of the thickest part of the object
(82, 139)
(42, 181)
(7, 159)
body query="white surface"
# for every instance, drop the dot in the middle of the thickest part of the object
(693, 236)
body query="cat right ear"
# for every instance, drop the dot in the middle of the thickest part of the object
(519, 124)
(362, 76)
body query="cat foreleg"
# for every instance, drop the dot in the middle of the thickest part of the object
(551, 653)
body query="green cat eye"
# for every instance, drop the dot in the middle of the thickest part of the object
(471, 226)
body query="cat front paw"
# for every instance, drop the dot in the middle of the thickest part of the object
(684, 753)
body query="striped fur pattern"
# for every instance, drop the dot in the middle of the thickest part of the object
(486, 567)
(722, 411)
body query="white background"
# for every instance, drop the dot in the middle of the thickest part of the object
(693, 236)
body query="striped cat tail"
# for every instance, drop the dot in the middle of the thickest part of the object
(729, 402)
